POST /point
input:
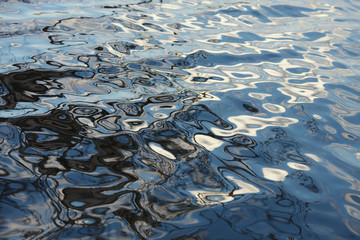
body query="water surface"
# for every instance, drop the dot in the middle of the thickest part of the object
(179, 119)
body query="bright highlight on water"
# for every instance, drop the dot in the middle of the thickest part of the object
(179, 119)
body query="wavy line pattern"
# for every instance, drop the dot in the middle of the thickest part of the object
(179, 119)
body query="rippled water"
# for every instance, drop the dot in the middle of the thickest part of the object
(179, 119)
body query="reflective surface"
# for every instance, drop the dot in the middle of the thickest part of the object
(179, 119)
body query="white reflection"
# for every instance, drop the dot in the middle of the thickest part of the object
(274, 174)
(314, 157)
(317, 116)
(207, 142)
(298, 166)
(170, 6)
(160, 150)
(86, 121)
(244, 187)
(250, 125)
(274, 108)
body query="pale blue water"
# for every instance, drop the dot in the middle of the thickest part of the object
(179, 119)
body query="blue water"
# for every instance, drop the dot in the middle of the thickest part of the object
(179, 119)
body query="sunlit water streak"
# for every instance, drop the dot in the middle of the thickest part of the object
(179, 119)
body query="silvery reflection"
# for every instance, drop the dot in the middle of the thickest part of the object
(179, 120)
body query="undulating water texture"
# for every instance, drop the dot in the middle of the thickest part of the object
(179, 119)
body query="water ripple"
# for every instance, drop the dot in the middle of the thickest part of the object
(179, 120)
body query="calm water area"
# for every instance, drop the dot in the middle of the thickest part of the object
(179, 119)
